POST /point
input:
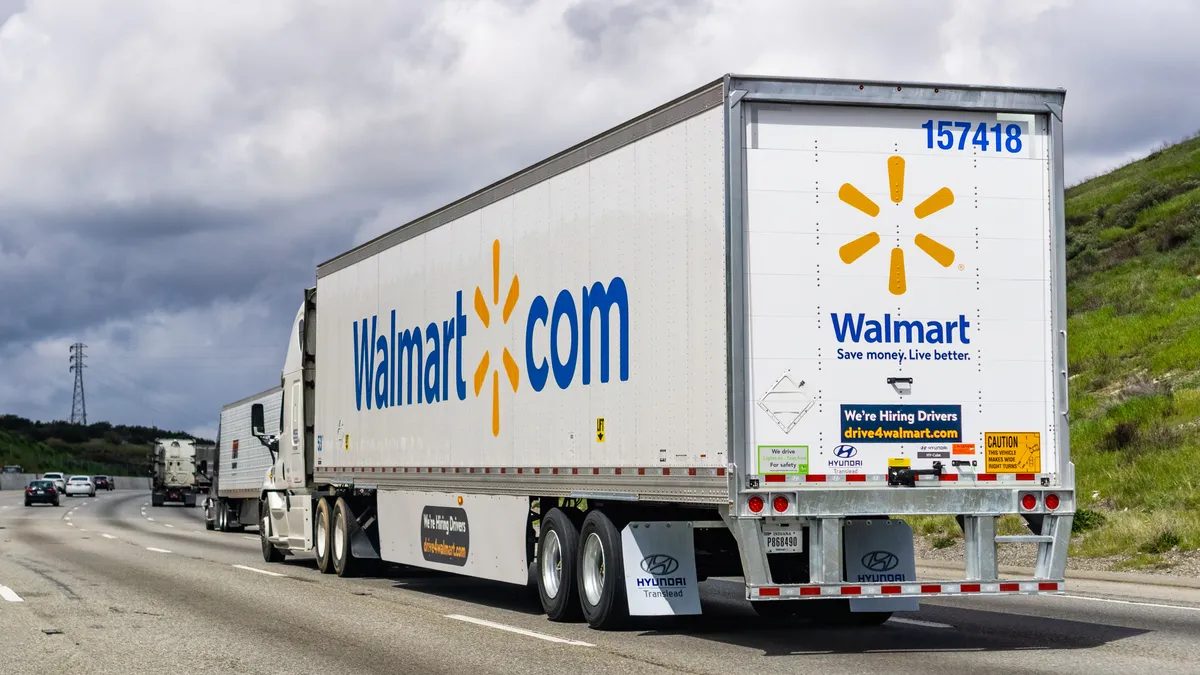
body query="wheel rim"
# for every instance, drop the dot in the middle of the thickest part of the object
(321, 538)
(339, 533)
(593, 569)
(551, 565)
(262, 527)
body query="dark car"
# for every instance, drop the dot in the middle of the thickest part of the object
(41, 492)
(102, 482)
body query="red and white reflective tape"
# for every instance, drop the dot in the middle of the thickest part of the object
(909, 589)
(881, 479)
(657, 471)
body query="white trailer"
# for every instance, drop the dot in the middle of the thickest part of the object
(173, 472)
(744, 334)
(241, 462)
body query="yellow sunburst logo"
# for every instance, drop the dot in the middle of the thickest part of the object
(485, 317)
(854, 250)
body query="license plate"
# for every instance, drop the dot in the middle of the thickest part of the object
(783, 542)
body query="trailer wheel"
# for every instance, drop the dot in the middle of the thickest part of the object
(601, 573)
(269, 552)
(837, 613)
(558, 546)
(321, 537)
(209, 523)
(775, 609)
(344, 562)
(222, 516)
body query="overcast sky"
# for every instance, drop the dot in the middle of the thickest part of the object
(172, 171)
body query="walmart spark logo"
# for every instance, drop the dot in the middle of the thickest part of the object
(481, 310)
(854, 250)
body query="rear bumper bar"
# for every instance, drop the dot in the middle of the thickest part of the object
(920, 589)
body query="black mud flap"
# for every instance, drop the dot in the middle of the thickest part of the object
(364, 542)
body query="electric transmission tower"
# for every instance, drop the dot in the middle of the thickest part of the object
(78, 404)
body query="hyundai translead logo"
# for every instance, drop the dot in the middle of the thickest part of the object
(845, 451)
(659, 564)
(880, 561)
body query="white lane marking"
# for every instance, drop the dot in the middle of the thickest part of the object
(246, 536)
(71, 524)
(150, 519)
(519, 631)
(918, 622)
(1126, 602)
(9, 594)
(107, 536)
(157, 550)
(255, 569)
(168, 525)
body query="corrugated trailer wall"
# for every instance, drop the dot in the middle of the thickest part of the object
(579, 322)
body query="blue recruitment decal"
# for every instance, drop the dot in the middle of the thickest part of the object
(871, 423)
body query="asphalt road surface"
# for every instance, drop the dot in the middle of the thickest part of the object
(112, 585)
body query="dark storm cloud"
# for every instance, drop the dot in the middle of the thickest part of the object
(173, 172)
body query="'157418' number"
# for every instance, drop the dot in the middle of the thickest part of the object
(985, 137)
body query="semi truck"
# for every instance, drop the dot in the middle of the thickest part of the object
(748, 333)
(173, 472)
(240, 464)
(205, 461)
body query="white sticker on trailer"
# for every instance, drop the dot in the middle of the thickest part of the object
(660, 569)
(901, 260)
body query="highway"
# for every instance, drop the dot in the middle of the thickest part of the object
(112, 585)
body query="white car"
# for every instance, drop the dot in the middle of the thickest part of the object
(60, 480)
(81, 485)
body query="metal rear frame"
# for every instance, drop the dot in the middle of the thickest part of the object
(824, 510)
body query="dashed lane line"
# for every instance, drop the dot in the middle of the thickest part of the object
(519, 631)
(9, 594)
(255, 569)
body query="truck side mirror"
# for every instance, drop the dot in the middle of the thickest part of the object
(256, 420)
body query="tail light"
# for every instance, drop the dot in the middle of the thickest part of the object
(780, 503)
(1052, 501)
(28, 490)
(756, 504)
(1029, 502)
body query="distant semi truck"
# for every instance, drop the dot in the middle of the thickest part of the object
(240, 465)
(206, 456)
(745, 334)
(173, 472)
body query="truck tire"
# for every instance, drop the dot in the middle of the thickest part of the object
(601, 575)
(222, 516)
(558, 546)
(837, 613)
(322, 526)
(269, 552)
(344, 562)
(774, 609)
(210, 515)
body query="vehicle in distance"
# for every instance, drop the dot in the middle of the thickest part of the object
(239, 464)
(60, 480)
(13, 468)
(746, 334)
(80, 485)
(102, 482)
(173, 473)
(41, 492)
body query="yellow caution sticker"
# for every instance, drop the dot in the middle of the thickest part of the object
(599, 429)
(902, 462)
(1013, 452)
(347, 441)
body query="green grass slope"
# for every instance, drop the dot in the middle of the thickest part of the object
(1133, 298)
(99, 448)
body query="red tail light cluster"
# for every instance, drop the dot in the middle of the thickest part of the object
(756, 504)
(1052, 501)
(780, 503)
(1029, 502)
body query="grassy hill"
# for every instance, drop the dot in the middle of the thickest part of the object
(96, 448)
(1133, 298)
